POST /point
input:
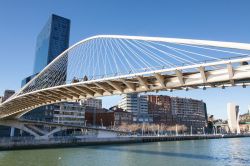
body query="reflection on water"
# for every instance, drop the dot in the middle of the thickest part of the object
(234, 151)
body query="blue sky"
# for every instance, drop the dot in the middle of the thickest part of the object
(225, 20)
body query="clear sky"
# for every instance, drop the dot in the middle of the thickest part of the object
(225, 20)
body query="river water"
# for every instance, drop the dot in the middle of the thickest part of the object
(233, 151)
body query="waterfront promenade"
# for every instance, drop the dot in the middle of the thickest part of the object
(60, 142)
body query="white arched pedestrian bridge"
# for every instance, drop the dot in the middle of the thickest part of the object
(111, 65)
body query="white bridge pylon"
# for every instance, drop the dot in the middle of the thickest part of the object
(113, 64)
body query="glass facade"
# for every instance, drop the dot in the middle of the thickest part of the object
(51, 41)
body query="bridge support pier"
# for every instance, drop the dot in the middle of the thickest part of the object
(46, 130)
(15, 124)
(32, 129)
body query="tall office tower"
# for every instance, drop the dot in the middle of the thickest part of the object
(51, 42)
(233, 117)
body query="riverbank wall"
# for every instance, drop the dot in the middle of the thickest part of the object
(61, 142)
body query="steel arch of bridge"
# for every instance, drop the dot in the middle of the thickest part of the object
(219, 73)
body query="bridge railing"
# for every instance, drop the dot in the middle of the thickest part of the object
(97, 77)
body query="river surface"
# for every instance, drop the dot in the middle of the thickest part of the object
(233, 151)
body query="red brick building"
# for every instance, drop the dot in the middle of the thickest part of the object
(159, 104)
(103, 117)
(160, 108)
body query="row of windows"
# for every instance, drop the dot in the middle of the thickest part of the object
(68, 119)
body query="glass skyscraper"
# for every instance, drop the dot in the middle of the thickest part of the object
(51, 42)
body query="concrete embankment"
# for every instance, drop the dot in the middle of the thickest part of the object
(30, 143)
